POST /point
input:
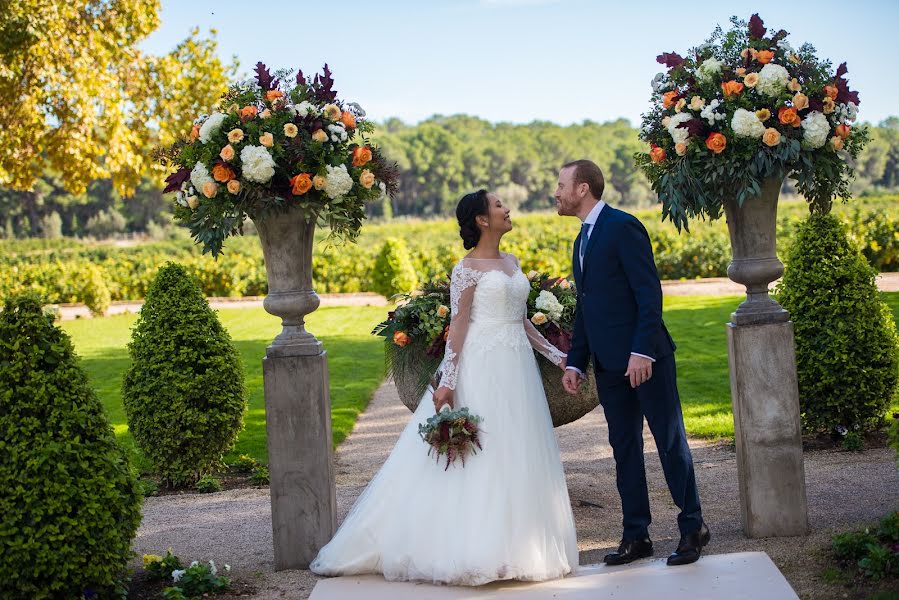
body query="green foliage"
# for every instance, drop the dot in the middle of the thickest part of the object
(245, 463)
(847, 350)
(184, 393)
(393, 271)
(208, 484)
(894, 435)
(853, 442)
(260, 475)
(69, 500)
(195, 582)
(160, 567)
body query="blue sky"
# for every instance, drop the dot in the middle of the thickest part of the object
(522, 60)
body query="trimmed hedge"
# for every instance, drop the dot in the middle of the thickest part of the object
(847, 350)
(184, 393)
(69, 501)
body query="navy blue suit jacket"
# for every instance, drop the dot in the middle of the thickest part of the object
(619, 296)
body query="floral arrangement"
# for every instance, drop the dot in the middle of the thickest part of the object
(453, 434)
(551, 305)
(193, 581)
(742, 107)
(271, 146)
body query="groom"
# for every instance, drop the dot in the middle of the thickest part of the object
(618, 325)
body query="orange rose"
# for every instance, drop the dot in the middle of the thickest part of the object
(348, 120)
(366, 179)
(716, 142)
(267, 139)
(319, 182)
(740, 71)
(789, 116)
(749, 52)
(539, 318)
(800, 101)
(193, 202)
(302, 183)
(836, 142)
(248, 113)
(680, 148)
(843, 131)
(794, 85)
(273, 95)
(764, 56)
(831, 91)
(669, 98)
(400, 338)
(680, 105)
(210, 189)
(443, 311)
(657, 154)
(234, 186)
(194, 133)
(222, 173)
(361, 155)
(265, 114)
(731, 88)
(829, 105)
(771, 137)
(227, 152)
(751, 80)
(319, 136)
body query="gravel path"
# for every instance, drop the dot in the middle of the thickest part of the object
(844, 490)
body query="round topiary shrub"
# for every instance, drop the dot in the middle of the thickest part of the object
(184, 393)
(394, 273)
(847, 351)
(69, 502)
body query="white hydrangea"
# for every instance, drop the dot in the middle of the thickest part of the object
(708, 69)
(338, 132)
(211, 126)
(679, 134)
(708, 113)
(746, 124)
(303, 109)
(199, 175)
(338, 182)
(550, 305)
(815, 129)
(773, 79)
(257, 164)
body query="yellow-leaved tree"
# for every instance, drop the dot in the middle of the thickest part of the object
(80, 98)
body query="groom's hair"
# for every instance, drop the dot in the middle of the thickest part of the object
(587, 171)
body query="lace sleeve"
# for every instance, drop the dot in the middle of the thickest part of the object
(541, 345)
(462, 286)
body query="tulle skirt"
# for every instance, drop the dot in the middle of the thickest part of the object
(504, 515)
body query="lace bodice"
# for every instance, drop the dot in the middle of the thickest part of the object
(490, 294)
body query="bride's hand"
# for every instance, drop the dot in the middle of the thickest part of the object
(564, 363)
(443, 396)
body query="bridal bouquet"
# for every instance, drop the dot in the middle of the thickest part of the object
(742, 107)
(453, 434)
(274, 144)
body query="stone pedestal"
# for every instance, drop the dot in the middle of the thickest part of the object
(767, 429)
(298, 424)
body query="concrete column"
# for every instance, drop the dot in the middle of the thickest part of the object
(298, 424)
(767, 429)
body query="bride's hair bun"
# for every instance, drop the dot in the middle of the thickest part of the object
(469, 208)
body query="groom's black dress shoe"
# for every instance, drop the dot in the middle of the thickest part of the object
(690, 547)
(629, 551)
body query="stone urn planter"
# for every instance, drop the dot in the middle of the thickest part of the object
(753, 238)
(563, 407)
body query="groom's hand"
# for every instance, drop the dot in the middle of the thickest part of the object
(639, 370)
(571, 381)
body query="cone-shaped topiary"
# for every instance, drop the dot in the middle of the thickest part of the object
(69, 502)
(393, 272)
(184, 393)
(847, 352)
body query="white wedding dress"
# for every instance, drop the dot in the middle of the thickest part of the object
(506, 513)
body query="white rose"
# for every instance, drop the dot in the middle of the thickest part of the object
(708, 69)
(773, 80)
(257, 164)
(746, 124)
(303, 109)
(679, 134)
(338, 183)
(815, 130)
(211, 126)
(199, 176)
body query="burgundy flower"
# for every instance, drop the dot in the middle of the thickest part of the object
(301, 79)
(695, 127)
(670, 59)
(175, 180)
(266, 82)
(756, 27)
(844, 94)
(322, 84)
(816, 104)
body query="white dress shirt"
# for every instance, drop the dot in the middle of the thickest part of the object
(590, 219)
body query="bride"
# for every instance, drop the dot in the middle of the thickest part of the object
(506, 513)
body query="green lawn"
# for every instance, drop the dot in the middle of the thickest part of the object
(356, 363)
